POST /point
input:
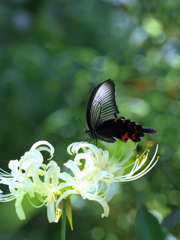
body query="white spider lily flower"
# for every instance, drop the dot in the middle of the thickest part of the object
(86, 184)
(94, 173)
(31, 177)
(97, 162)
(87, 169)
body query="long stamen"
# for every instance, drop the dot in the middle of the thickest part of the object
(131, 176)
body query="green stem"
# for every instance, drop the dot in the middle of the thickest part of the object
(63, 221)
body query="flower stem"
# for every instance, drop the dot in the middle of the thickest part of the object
(63, 221)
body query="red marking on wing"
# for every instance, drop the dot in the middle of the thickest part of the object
(126, 137)
(116, 120)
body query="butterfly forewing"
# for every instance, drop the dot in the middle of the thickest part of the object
(101, 106)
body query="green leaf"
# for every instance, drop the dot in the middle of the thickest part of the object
(147, 226)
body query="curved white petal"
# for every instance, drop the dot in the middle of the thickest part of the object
(19, 209)
(51, 211)
(39, 147)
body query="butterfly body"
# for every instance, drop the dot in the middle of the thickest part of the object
(102, 119)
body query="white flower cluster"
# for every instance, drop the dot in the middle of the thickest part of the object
(92, 176)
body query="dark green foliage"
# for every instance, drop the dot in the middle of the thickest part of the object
(147, 226)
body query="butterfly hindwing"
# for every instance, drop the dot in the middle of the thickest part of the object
(122, 129)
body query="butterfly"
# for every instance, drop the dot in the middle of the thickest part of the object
(102, 117)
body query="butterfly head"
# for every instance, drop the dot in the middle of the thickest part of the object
(91, 134)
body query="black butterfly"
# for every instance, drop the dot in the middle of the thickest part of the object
(102, 119)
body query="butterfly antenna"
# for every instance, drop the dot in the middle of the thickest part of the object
(80, 122)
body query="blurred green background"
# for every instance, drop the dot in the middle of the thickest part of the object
(52, 55)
